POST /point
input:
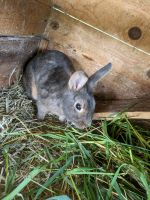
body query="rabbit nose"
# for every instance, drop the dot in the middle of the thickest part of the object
(85, 124)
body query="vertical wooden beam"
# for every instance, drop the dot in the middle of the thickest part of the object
(23, 17)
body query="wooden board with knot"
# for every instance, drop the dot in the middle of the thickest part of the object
(129, 81)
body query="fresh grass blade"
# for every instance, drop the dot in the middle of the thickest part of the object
(50, 180)
(114, 185)
(24, 183)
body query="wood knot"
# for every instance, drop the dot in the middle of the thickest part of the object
(54, 25)
(134, 33)
(148, 73)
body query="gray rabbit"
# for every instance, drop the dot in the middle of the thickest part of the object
(50, 79)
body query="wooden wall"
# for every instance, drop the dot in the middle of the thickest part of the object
(20, 20)
(90, 48)
(23, 17)
(14, 52)
(114, 17)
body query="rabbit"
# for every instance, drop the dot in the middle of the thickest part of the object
(52, 82)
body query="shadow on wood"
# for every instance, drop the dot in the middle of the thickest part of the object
(14, 52)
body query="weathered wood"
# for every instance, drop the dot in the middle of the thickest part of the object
(131, 115)
(114, 17)
(23, 17)
(134, 108)
(130, 105)
(90, 49)
(14, 52)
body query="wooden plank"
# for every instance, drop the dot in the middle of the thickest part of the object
(130, 105)
(133, 108)
(114, 17)
(131, 115)
(23, 17)
(90, 50)
(14, 52)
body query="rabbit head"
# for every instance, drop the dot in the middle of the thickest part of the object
(78, 100)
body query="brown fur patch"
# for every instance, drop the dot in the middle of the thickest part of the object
(34, 90)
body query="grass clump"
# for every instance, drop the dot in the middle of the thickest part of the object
(38, 160)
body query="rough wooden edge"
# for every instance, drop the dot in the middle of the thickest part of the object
(133, 109)
(14, 53)
(131, 115)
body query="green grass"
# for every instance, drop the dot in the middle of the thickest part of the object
(39, 160)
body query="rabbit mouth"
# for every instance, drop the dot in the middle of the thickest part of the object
(78, 125)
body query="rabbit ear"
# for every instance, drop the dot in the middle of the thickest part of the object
(98, 75)
(77, 80)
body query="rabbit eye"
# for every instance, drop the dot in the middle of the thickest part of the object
(78, 106)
